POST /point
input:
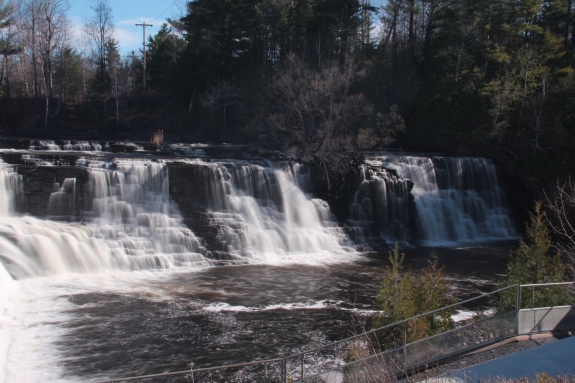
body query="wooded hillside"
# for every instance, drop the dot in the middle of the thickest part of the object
(320, 78)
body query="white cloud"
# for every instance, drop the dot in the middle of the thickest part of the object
(130, 39)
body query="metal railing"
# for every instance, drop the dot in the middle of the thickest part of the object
(402, 346)
(267, 371)
(397, 347)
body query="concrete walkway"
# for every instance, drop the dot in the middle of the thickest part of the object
(554, 359)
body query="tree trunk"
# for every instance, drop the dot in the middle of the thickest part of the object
(573, 32)
(117, 103)
(567, 24)
(392, 26)
(35, 72)
(411, 26)
(47, 101)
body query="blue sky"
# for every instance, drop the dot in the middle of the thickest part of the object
(127, 13)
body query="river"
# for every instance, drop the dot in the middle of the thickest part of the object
(111, 281)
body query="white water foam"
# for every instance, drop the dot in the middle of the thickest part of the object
(318, 305)
(133, 213)
(222, 306)
(464, 315)
(77, 146)
(265, 216)
(458, 199)
(5, 287)
(381, 206)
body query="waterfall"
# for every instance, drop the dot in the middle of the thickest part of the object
(79, 146)
(381, 207)
(132, 226)
(62, 201)
(263, 214)
(132, 212)
(82, 146)
(44, 145)
(10, 189)
(458, 199)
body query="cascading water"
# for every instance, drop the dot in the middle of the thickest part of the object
(62, 201)
(458, 199)
(132, 226)
(133, 214)
(381, 207)
(82, 146)
(79, 146)
(44, 145)
(263, 213)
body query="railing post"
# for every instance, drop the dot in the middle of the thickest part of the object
(284, 370)
(405, 344)
(517, 306)
(302, 368)
(532, 296)
(501, 314)
(265, 372)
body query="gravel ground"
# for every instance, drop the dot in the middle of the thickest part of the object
(485, 356)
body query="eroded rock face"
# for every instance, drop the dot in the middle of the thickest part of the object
(192, 188)
(217, 198)
(40, 182)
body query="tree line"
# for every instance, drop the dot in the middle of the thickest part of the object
(325, 79)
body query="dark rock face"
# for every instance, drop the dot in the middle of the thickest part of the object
(191, 189)
(40, 182)
(383, 207)
(368, 215)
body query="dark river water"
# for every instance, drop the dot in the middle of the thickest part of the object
(87, 328)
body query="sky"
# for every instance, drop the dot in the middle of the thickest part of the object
(126, 14)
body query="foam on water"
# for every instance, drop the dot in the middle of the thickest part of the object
(222, 306)
(5, 287)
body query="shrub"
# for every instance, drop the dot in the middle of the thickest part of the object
(532, 263)
(403, 296)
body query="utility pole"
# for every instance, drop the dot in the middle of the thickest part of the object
(133, 57)
(117, 102)
(144, 25)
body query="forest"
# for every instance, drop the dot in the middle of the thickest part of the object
(322, 79)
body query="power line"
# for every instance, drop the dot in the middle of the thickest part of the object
(157, 17)
(135, 32)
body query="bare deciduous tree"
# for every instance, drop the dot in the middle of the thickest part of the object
(99, 30)
(53, 32)
(30, 26)
(314, 113)
(46, 28)
(562, 220)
